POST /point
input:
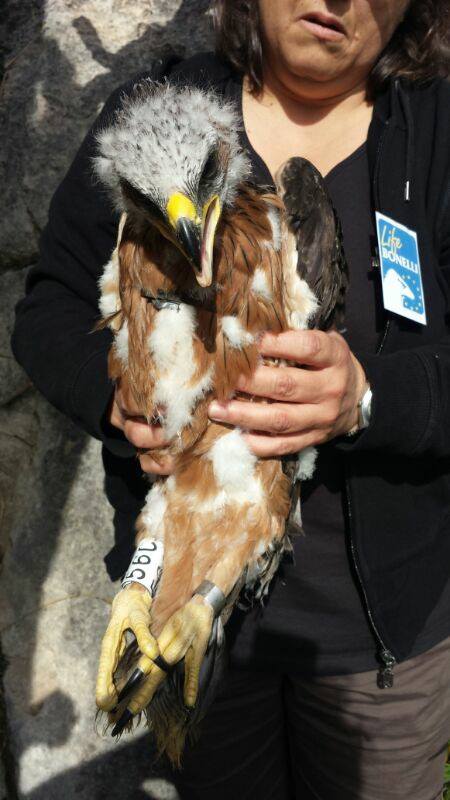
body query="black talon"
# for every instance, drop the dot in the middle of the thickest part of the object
(133, 681)
(161, 662)
(120, 724)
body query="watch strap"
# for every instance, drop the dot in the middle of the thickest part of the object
(364, 408)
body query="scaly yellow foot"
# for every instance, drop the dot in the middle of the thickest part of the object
(130, 611)
(186, 634)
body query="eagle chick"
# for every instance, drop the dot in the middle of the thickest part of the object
(204, 264)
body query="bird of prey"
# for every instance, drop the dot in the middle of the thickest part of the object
(205, 262)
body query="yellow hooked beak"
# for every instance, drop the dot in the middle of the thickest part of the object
(195, 234)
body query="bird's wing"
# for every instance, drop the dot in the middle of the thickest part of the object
(313, 221)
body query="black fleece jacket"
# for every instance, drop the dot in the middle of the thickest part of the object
(398, 482)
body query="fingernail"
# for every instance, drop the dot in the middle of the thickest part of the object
(217, 410)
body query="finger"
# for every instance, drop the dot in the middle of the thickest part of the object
(105, 693)
(143, 435)
(125, 400)
(116, 417)
(139, 623)
(163, 466)
(284, 383)
(193, 661)
(268, 417)
(274, 446)
(315, 348)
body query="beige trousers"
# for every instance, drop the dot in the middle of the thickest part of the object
(357, 742)
(270, 736)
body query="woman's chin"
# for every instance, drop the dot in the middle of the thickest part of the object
(318, 70)
(310, 58)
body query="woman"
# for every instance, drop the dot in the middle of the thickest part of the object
(340, 689)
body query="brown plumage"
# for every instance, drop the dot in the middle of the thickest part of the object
(186, 318)
(148, 265)
(211, 530)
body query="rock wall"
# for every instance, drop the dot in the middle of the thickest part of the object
(61, 60)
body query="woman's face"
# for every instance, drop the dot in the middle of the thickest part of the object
(327, 40)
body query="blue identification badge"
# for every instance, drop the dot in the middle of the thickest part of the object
(400, 269)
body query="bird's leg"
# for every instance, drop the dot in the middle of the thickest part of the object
(130, 611)
(185, 635)
(131, 606)
(226, 572)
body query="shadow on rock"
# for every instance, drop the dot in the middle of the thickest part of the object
(47, 111)
(125, 773)
(38, 712)
(57, 716)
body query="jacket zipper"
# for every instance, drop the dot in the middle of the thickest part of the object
(383, 337)
(376, 196)
(385, 675)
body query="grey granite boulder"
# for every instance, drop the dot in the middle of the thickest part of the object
(13, 381)
(61, 61)
(54, 605)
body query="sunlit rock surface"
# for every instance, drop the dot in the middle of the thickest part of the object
(62, 60)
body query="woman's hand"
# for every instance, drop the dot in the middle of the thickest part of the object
(315, 400)
(125, 415)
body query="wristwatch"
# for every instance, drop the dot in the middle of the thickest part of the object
(364, 411)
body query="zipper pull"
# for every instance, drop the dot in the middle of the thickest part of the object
(385, 676)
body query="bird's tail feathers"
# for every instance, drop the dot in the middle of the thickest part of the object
(167, 716)
(171, 722)
(260, 573)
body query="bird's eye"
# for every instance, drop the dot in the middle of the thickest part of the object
(152, 208)
(140, 200)
(210, 168)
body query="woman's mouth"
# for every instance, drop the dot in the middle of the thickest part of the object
(323, 26)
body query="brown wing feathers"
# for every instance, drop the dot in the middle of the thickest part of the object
(226, 343)
(154, 264)
(221, 515)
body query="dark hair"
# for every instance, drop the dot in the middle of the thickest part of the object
(418, 50)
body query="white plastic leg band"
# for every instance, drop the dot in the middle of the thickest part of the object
(146, 565)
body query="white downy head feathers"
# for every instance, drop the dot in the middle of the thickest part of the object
(167, 139)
